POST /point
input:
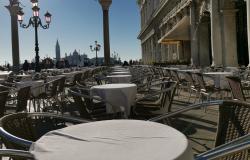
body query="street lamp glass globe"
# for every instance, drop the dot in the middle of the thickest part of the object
(47, 17)
(20, 16)
(36, 11)
(34, 2)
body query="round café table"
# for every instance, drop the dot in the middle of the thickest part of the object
(113, 140)
(120, 95)
(119, 78)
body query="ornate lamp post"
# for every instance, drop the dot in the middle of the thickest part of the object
(35, 22)
(13, 8)
(96, 48)
(105, 7)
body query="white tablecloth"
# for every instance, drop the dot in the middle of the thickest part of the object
(119, 78)
(113, 140)
(219, 78)
(36, 86)
(120, 95)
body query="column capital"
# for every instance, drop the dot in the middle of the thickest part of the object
(13, 7)
(105, 4)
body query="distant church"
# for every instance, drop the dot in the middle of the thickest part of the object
(76, 59)
(58, 52)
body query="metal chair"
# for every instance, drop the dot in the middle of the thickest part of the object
(157, 103)
(16, 154)
(92, 107)
(19, 130)
(20, 101)
(236, 87)
(3, 100)
(234, 150)
(233, 121)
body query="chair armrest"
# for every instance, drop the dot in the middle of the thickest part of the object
(14, 139)
(188, 108)
(240, 144)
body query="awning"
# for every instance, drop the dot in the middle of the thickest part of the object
(180, 32)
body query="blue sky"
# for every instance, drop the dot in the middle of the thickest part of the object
(77, 24)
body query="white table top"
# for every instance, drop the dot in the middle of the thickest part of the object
(113, 140)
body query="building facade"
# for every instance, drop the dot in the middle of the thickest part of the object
(196, 32)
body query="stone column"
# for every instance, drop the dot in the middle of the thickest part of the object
(230, 57)
(216, 41)
(13, 9)
(193, 36)
(248, 28)
(204, 48)
(105, 7)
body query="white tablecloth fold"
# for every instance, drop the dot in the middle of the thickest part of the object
(114, 140)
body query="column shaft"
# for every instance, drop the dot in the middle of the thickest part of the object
(248, 28)
(106, 37)
(216, 41)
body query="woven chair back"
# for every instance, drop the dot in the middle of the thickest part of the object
(81, 103)
(200, 80)
(236, 87)
(31, 126)
(23, 96)
(175, 76)
(234, 122)
(168, 96)
(3, 99)
(189, 78)
(77, 78)
(54, 87)
(61, 84)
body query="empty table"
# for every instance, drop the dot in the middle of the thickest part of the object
(119, 78)
(120, 95)
(113, 140)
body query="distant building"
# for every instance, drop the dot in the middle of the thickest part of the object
(76, 59)
(58, 52)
